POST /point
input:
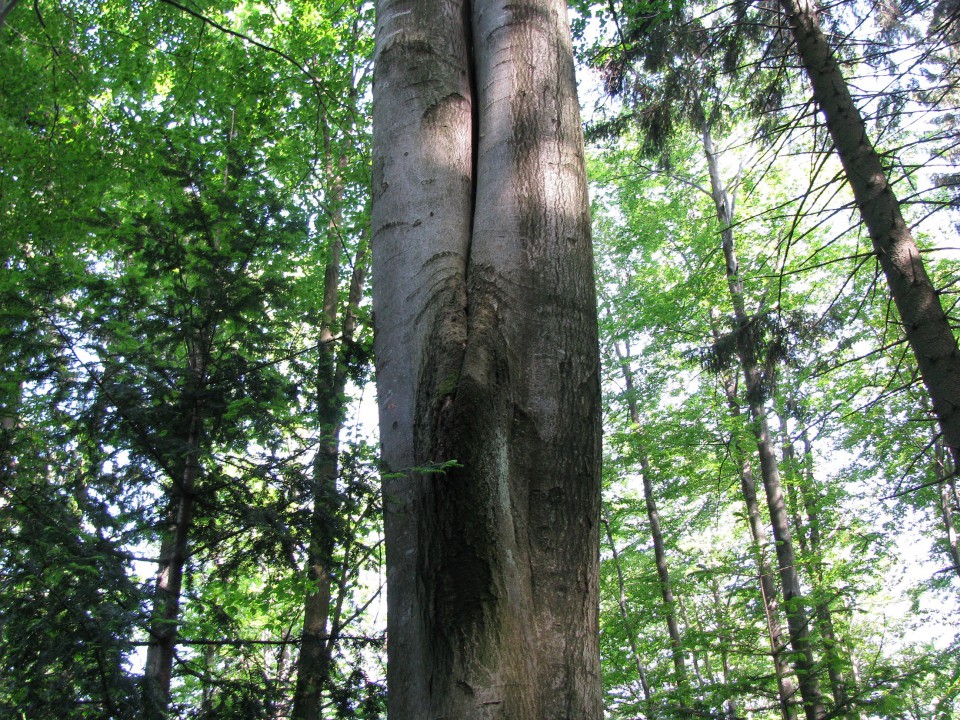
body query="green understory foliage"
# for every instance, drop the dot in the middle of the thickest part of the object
(178, 179)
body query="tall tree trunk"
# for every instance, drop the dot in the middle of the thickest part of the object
(487, 363)
(663, 574)
(656, 534)
(628, 623)
(768, 589)
(832, 649)
(947, 474)
(924, 322)
(316, 642)
(158, 667)
(793, 600)
(786, 689)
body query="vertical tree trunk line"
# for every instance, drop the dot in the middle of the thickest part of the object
(659, 548)
(948, 500)
(663, 575)
(487, 363)
(793, 600)
(165, 615)
(833, 654)
(316, 639)
(768, 590)
(924, 322)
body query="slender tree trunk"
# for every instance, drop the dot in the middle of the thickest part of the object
(786, 690)
(158, 668)
(793, 600)
(314, 657)
(832, 649)
(700, 663)
(768, 590)
(730, 704)
(487, 363)
(663, 574)
(316, 642)
(656, 534)
(5, 7)
(628, 623)
(924, 322)
(948, 501)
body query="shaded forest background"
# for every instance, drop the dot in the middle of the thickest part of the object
(189, 486)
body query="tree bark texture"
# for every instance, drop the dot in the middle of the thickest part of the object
(925, 324)
(793, 600)
(487, 356)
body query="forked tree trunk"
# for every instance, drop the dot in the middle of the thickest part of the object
(924, 322)
(793, 600)
(487, 357)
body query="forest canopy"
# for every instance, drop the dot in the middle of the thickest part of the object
(191, 486)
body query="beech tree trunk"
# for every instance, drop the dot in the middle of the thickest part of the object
(487, 363)
(793, 600)
(833, 655)
(666, 588)
(924, 322)
(946, 472)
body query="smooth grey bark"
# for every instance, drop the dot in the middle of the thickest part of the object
(487, 357)
(801, 656)
(924, 322)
